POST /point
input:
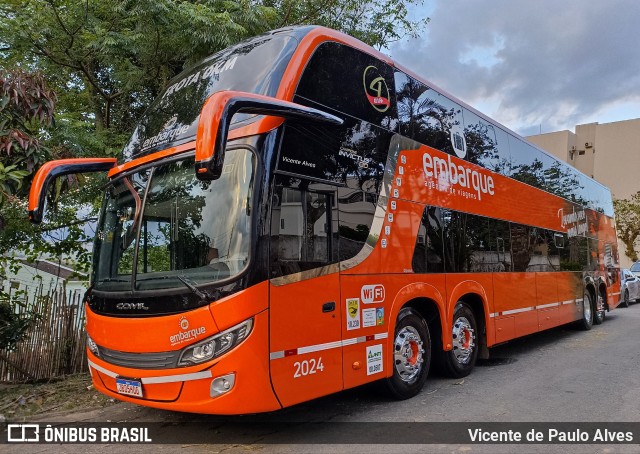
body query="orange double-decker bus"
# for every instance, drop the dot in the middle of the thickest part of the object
(298, 214)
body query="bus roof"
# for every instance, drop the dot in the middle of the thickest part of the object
(270, 64)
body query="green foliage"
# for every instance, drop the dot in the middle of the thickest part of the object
(628, 223)
(26, 105)
(13, 327)
(10, 180)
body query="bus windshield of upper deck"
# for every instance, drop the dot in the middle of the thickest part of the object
(254, 66)
(161, 225)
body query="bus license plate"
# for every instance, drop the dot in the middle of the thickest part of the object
(129, 387)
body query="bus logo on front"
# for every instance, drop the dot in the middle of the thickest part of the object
(372, 294)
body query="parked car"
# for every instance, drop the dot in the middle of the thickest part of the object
(629, 286)
(635, 268)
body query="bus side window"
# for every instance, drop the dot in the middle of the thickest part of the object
(521, 247)
(355, 211)
(555, 244)
(429, 117)
(467, 243)
(482, 144)
(301, 231)
(428, 254)
(578, 254)
(566, 262)
(500, 245)
(478, 255)
(544, 256)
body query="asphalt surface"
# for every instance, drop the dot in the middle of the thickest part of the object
(560, 375)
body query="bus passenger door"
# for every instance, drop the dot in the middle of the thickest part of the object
(305, 343)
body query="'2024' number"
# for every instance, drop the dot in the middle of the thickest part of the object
(304, 368)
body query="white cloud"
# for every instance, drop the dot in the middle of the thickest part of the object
(544, 63)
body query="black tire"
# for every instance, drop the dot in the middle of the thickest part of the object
(411, 337)
(461, 359)
(600, 311)
(625, 299)
(586, 322)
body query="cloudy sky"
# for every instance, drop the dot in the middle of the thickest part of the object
(533, 65)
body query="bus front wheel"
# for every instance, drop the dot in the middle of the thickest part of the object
(411, 354)
(461, 359)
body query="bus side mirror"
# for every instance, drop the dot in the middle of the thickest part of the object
(54, 169)
(216, 116)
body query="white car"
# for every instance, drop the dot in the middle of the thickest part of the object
(629, 287)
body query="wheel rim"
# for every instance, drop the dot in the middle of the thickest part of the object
(586, 308)
(408, 353)
(600, 308)
(464, 339)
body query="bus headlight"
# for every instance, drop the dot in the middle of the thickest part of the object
(93, 347)
(215, 346)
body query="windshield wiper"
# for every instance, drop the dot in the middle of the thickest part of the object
(191, 286)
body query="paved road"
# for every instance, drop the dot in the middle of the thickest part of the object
(560, 375)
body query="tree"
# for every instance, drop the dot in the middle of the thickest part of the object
(26, 105)
(26, 113)
(628, 223)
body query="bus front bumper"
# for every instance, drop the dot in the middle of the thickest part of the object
(236, 383)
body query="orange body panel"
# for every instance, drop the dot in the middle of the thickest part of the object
(379, 298)
(234, 309)
(138, 334)
(547, 300)
(511, 200)
(570, 288)
(459, 285)
(305, 343)
(505, 328)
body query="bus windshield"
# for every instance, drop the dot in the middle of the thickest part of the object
(254, 66)
(162, 225)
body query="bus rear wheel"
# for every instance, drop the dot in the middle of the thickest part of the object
(586, 322)
(601, 311)
(411, 355)
(461, 359)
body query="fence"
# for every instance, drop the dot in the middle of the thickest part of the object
(55, 343)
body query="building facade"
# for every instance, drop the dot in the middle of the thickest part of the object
(42, 277)
(607, 152)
